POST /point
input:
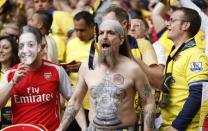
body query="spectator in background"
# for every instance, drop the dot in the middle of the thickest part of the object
(8, 58)
(9, 53)
(202, 4)
(10, 29)
(139, 27)
(95, 7)
(62, 25)
(43, 21)
(29, 7)
(6, 12)
(140, 30)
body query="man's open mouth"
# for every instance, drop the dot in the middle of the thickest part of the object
(105, 45)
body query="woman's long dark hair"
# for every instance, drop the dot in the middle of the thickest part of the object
(15, 58)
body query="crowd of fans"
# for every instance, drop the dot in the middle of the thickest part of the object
(70, 31)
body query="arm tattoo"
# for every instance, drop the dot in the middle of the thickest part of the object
(69, 114)
(149, 119)
(147, 90)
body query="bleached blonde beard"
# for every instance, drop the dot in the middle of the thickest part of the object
(109, 59)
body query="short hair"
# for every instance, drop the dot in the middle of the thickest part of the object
(120, 13)
(46, 18)
(14, 45)
(142, 19)
(193, 17)
(86, 16)
(35, 31)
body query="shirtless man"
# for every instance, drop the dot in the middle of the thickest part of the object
(112, 86)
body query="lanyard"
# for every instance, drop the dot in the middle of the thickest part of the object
(173, 53)
(93, 47)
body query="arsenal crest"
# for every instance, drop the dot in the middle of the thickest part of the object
(47, 75)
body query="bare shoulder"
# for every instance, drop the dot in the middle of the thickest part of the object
(84, 64)
(83, 68)
(131, 67)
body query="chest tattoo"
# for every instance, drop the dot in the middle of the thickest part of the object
(107, 98)
(118, 79)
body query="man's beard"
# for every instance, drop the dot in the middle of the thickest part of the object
(109, 59)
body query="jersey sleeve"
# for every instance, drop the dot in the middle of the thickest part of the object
(64, 83)
(197, 69)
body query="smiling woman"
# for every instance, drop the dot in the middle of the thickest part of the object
(8, 53)
(8, 58)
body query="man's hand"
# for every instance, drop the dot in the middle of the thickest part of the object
(72, 66)
(20, 72)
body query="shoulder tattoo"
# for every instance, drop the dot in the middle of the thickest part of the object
(147, 90)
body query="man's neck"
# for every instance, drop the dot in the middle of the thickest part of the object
(116, 61)
(36, 64)
(88, 39)
(182, 39)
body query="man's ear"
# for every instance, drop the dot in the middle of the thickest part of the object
(126, 24)
(186, 25)
(122, 40)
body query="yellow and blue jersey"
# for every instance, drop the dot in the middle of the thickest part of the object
(189, 69)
